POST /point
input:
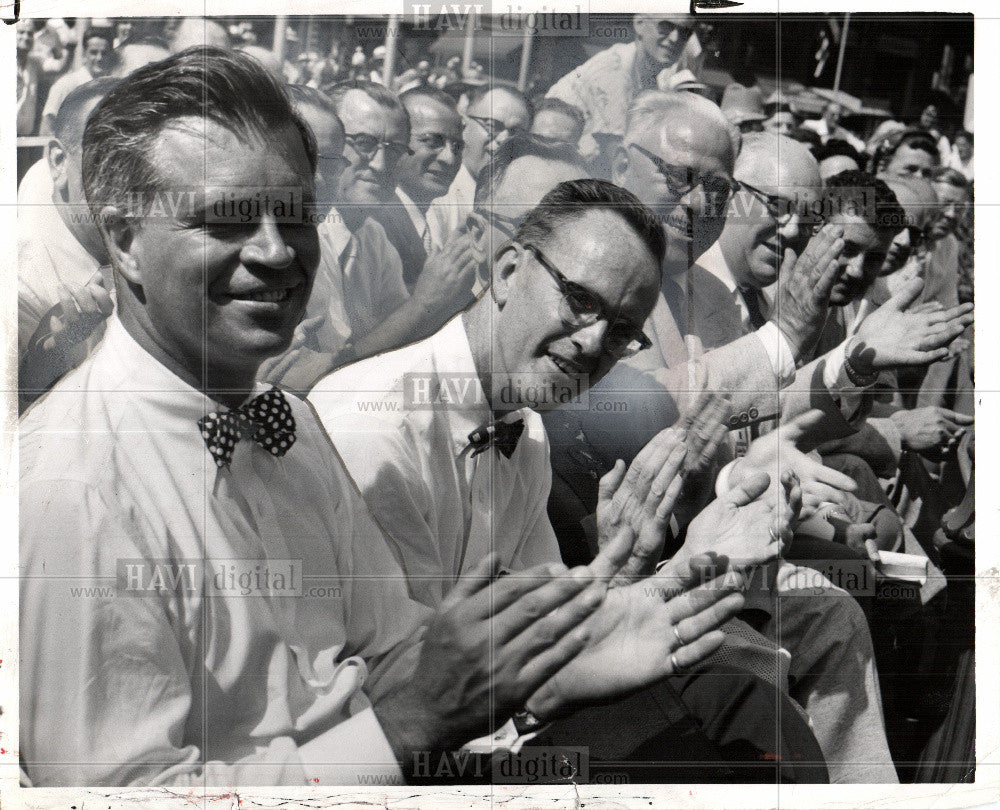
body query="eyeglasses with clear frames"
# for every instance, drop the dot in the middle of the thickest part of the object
(495, 128)
(436, 142)
(366, 146)
(580, 307)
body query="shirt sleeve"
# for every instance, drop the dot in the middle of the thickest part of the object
(849, 396)
(111, 676)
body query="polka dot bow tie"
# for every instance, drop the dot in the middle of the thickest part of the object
(269, 417)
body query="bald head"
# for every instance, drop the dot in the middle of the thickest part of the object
(769, 159)
(668, 132)
(782, 182)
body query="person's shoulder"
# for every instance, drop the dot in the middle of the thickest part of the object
(617, 57)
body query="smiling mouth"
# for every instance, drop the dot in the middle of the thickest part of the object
(567, 367)
(267, 296)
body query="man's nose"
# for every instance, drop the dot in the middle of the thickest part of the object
(854, 267)
(590, 339)
(792, 229)
(449, 156)
(268, 246)
(378, 162)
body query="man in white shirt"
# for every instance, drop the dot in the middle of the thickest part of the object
(436, 148)
(360, 305)
(419, 445)
(495, 113)
(666, 48)
(257, 630)
(98, 60)
(63, 294)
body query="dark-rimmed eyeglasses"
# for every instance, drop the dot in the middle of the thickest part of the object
(506, 225)
(778, 208)
(437, 141)
(579, 307)
(681, 180)
(495, 128)
(366, 146)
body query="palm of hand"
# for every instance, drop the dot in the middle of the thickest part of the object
(737, 533)
(630, 641)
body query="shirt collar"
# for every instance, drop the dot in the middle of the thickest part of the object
(714, 262)
(453, 354)
(175, 400)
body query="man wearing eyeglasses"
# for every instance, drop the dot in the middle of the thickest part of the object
(666, 49)
(360, 304)
(424, 174)
(450, 451)
(495, 113)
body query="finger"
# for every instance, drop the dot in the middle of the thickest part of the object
(829, 476)
(943, 315)
(534, 601)
(823, 493)
(907, 294)
(610, 481)
(752, 486)
(696, 652)
(802, 425)
(473, 581)
(788, 264)
(537, 650)
(958, 419)
(674, 483)
(829, 271)
(710, 618)
(874, 554)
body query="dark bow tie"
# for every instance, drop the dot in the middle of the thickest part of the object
(499, 434)
(268, 415)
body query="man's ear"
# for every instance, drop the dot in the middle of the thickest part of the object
(119, 232)
(504, 266)
(619, 164)
(478, 229)
(58, 161)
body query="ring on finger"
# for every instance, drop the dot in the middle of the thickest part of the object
(775, 534)
(677, 669)
(677, 635)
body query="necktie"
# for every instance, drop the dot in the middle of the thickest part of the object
(502, 435)
(752, 299)
(268, 415)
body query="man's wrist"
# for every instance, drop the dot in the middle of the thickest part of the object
(858, 362)
(797, 340)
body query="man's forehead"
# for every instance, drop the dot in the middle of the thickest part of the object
(857, 229)
(358, 108)
(601, 251)
(182, 148)
(498, 103)
(778, 167)
(530, 178)
(428, 114)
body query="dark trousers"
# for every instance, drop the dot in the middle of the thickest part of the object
(719, 726)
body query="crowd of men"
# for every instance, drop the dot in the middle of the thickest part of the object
(415, 433)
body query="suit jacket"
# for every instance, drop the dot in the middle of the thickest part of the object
(404, 237)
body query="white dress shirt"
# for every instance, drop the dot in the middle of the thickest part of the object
(401, 422)
(779, 352)
(50, 259)
(195, 682)
(448, 213)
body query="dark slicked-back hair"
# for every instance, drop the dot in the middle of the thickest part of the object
(226, 87)
(866, 196)
(302, 95)
(913, 137)
(68, 126)
(574, 198)
(492, 174)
